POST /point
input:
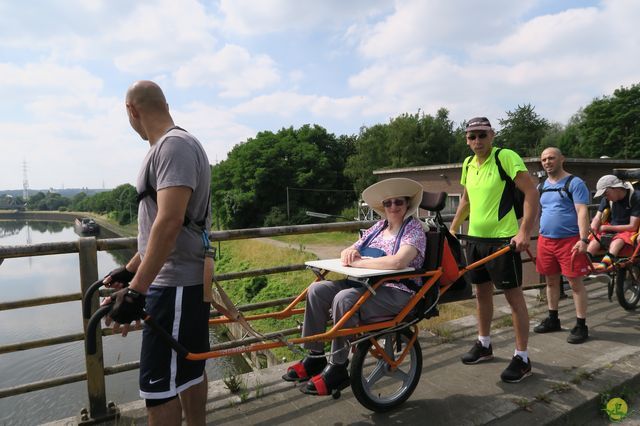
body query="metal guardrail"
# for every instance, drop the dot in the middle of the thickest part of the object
(87, 248)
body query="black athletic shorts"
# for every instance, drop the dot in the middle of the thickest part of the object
(183, 313)
(504, 271)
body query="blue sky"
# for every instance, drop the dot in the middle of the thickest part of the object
(232, 68)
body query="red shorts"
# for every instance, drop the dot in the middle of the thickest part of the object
(553, 257)
(624, 236)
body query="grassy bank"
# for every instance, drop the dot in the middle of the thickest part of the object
(242, 255)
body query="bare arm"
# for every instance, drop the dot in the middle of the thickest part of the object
(172, 205)
(134, 263)
(400, 260)
(531, 205)
(596, 222)
(583, 226)
(631, 227)
(462, 213)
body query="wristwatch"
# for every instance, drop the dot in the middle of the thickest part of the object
(585, 240)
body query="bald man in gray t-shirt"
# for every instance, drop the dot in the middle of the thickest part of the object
(166, 275)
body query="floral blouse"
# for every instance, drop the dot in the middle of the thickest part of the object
(413, 235)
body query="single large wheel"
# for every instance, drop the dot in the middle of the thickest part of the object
(628, 287)
(374, 383)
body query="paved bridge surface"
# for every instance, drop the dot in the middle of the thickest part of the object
(568, 384)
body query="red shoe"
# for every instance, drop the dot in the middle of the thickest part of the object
(333, 379)
(305, 369)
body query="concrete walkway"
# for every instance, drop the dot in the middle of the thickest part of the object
(567, 386)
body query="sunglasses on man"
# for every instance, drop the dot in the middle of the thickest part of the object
(394, 201)
(472, 136)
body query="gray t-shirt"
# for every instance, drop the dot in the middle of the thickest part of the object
(177, 159)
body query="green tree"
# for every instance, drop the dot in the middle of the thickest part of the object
(305, 164)
(408, 140)
(610, 125)
(522, 131)
(124, 203)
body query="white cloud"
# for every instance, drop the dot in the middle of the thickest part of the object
(571, 31)
(217, 129)
(557, 62)
(291, 104)
(46, 76)
(232, 69)
(416, 25)
(257, 17)
(157, 37)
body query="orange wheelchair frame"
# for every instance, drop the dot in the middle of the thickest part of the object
(388, 347)
(623, 274)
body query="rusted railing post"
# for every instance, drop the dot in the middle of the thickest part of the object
(88, 252)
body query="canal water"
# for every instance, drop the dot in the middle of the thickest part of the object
(31, 277)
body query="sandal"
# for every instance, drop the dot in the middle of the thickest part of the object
(331, 381)
(305, 369)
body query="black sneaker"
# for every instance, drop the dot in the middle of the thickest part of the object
(478, 353)
(548, 325)
(578, 334)
(517, 370)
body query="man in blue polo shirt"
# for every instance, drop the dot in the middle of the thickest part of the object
(564, 230)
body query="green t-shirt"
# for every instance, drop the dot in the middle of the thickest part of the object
(484, 190)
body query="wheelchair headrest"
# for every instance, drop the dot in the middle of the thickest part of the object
(433, 201)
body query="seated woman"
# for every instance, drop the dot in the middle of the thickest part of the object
(400, 242)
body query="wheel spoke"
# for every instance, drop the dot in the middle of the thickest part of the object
(400, 375)
(376, 374)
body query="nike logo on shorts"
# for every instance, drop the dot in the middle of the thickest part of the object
(151, 382)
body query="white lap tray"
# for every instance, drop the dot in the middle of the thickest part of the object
(335, 265)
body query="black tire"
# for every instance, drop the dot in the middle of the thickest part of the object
(377, 388)
(628, 287)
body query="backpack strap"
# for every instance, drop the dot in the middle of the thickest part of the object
(465, 165)
(396, 245)
(151, 192)
(541, 186)
(565, 188)
(373, 234)
(503, 175)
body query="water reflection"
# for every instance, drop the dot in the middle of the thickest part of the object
(27, 278)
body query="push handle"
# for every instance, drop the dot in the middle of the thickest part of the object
(90, 338)
(86, 298)
(103, 311)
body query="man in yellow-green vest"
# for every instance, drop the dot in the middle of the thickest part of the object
(491, 179)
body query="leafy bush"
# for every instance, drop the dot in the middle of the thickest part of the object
(252, 288)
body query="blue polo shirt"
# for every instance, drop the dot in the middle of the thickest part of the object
(559, 218)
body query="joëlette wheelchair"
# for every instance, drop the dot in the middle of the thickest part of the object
(623, 275)
(387, 359)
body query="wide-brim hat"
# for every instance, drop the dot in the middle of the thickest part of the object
(610, 181)
(393, 188)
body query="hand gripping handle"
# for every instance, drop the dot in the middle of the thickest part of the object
(90, 338)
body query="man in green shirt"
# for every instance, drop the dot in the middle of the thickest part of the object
(492, 224)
